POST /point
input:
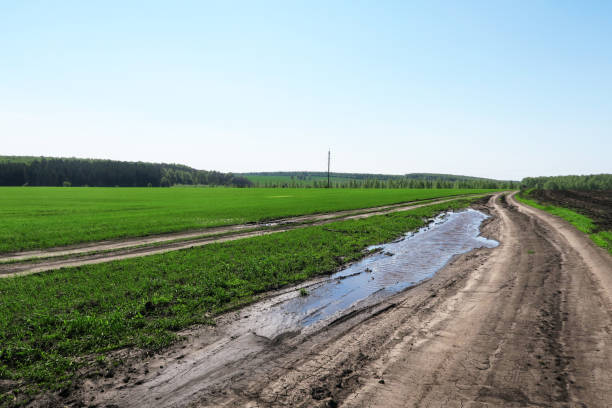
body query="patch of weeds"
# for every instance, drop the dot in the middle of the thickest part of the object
(603, 239)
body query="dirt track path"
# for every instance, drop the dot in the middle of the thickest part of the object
(526, 324)
(114, 250)
(530, 327)
(110, 245)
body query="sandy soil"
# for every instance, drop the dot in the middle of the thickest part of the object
(107, 251)
(528, 323)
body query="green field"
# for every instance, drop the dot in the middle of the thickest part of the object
(49, 322)
(43, 217)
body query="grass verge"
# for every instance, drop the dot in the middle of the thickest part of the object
(50, 321)
(581, 222)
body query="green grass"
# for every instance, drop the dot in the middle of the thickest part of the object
(603, 239)
(50, 321)
(581, 222)
(43, 217)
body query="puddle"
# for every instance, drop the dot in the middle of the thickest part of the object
(246, 333)
(397, 266)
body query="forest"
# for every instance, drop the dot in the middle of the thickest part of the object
(364, 180)
(49, 171)
(586, 182)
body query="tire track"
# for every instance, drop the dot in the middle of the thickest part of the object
(526, 324)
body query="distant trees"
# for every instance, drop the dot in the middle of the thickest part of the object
(587, 182)
(240, 181)
(45, 171)
(356, 180)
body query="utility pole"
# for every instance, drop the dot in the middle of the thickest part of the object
(328, 160)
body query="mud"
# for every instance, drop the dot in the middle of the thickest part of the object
(528, 323)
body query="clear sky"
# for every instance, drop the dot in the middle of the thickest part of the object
(502, 89)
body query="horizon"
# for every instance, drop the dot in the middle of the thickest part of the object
(506, 92)
(306, 171)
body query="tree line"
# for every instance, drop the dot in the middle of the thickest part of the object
(587, 182)
(376, 183)
(356, 180)
(47, 171)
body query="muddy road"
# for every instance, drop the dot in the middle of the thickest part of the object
(528, 323)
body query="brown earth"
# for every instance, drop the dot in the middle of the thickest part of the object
(596, 205)
(527, 324)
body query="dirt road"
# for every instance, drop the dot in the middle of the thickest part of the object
(44, 260)
(528, 323)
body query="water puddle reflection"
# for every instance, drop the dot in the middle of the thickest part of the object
(397, 266)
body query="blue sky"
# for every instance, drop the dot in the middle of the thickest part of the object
(494, 89)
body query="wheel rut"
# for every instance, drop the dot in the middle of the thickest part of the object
(528, 323)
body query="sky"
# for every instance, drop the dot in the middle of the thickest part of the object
(502, 89)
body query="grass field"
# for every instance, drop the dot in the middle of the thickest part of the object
(43, 217)
(50, 321)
